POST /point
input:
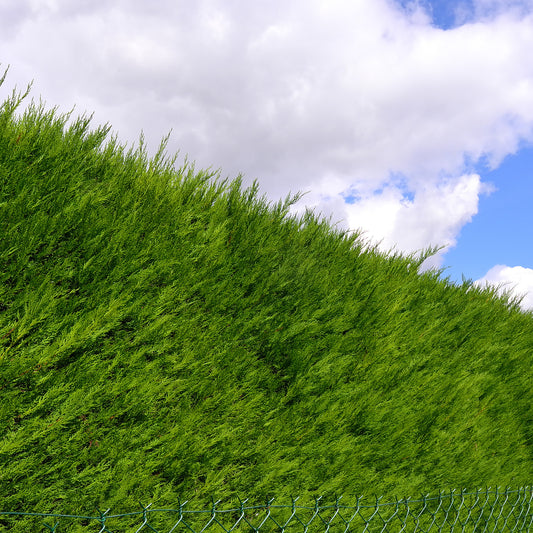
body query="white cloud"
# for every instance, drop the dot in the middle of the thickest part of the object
(518, 280)
(330, 96)
(407, 221)
(433, 217)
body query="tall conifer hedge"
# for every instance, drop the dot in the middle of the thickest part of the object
(165, 333)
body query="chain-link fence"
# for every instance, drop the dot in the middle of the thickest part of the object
(479, 511)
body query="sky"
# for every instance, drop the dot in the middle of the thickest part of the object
(408, 121)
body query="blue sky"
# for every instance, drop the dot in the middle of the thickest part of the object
(444, 13)
(501, 232)
(410, 121)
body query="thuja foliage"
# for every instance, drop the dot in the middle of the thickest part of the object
(165, 333)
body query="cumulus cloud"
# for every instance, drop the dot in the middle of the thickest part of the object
(517, 280)
(433, 216)
(334, 97)
(398, 219)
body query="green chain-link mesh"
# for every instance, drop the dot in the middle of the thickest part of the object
(479, 511)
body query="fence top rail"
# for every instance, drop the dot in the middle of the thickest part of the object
(479, 497)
